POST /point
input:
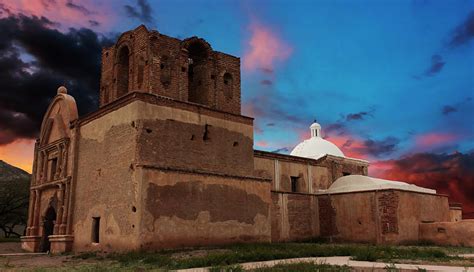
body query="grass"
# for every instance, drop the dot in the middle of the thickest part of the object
(262, 252)
(228, 258)
(9, 240)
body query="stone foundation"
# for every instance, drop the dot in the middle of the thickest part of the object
(30, 243)
(61, 243)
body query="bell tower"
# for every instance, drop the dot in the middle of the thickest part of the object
(188, 70)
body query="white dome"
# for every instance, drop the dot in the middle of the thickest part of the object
(316, 147)
(358, 183)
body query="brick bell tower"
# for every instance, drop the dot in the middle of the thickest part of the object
(188, 70)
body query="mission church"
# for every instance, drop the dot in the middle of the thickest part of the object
(167, 161)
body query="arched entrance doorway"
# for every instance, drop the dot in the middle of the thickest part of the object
(48, 229)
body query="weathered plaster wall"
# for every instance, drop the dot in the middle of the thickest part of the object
(314, 175)
(176, 138)
(384, 217)
(455, 212)
(189, 209)
(106, 186)
(459, 233)
(294, 217)
(348, 217)
(413, 209)
(320, 178)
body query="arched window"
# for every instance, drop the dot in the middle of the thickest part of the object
(123, 71)
(228, 86)
(198, 54)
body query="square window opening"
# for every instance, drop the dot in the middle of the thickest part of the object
(294, 184)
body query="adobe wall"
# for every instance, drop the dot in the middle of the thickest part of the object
(184, 208)
(188, 152)
(455, 212)
(190, 139)
(382, 217)
(313, 175)
(460, 233)
(294, 217)
(414, 208)
(106, 184)
(297, 215)
(348, 217)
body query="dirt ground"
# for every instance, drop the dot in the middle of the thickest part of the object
(46, 262)
(34, 261)
(12, 247)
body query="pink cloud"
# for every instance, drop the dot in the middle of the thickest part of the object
(85, 13)
(434, 139)
(264, 48)
(261, 143)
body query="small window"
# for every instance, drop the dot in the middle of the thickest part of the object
(54, 165)
(294, 184)
(95, 229)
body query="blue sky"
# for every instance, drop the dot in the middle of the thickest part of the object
(389, 81)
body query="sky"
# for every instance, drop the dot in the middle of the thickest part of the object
(389, 81)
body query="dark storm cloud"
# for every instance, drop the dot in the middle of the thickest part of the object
(463, 33)
(357, 116)
(23, 126)
(70, 4)
(375, 148)
(437, 65)
(448, 109)
(451, 174)
(383, 147)
(268, 71)
(266, 82)
(142, 12)
(337, 128)
(93, 23)
(71, 59)
(281, 150)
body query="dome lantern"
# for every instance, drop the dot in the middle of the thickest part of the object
(315, 129)
(316, 147)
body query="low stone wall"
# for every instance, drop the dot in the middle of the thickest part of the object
(459, 233)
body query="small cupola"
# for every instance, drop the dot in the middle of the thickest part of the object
(315, 129)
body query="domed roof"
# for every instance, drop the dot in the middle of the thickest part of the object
(316, 147)
(357, 183)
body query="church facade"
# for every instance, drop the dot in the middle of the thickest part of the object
(167, 161)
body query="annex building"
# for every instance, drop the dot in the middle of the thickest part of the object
(168, 161)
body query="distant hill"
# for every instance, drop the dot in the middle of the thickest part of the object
(10, 172)
(14, 190)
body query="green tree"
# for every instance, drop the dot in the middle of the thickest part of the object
(14, 196)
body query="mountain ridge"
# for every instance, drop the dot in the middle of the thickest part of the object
(11, 172)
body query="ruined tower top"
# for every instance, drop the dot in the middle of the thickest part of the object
(186, 70)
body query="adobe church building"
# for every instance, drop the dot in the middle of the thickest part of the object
(167, 161)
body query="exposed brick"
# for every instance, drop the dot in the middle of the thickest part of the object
(187, 70)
